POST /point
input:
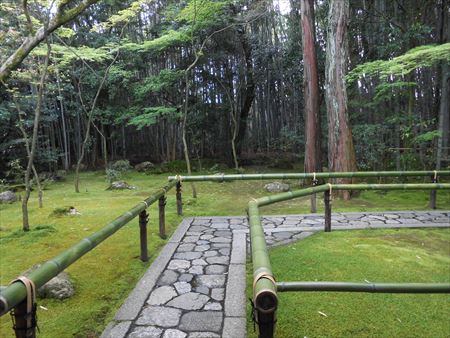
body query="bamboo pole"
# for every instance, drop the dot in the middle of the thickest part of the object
(357, 174)
(364, 287)
(16, 292)
(265, 288)
(265, 299)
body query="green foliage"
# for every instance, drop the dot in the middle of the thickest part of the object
(385, 91)
(423, 56)
(200, 14)
(113, 175)
(121, 166)
(122, 17)
(151, 116)
(171, 38)
(67, 57)
(166, 79)
(427, 136)
(15, 171)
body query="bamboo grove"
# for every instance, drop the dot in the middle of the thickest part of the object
(159, 80)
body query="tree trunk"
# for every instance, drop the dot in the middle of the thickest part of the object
(183, 129)
(311, 93)
(341, 153)
(37, 114)
(248, 93)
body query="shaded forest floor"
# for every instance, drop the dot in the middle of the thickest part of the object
(403, 256)
(104, 277)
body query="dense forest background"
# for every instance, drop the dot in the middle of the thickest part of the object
(152, 80)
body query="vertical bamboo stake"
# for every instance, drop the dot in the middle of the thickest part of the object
(314, 197)
(21, 322)
(433, 193)
(162, 217)
(179, 202)
(327, 202)
(143, 220)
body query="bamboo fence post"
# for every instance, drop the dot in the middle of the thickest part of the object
(162, 217)
(433, 193)
(21, 320)
(179, 201)
(327, 202)
(143, 220)
(315, 182)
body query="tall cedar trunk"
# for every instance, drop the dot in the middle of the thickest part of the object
(30, 165)
(311, 92)
(341, 153)
(444, 123)
(248, 92)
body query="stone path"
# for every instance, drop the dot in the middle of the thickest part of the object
(196, 286)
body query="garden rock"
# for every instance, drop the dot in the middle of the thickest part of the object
(120, 185)
(144, 166)
(59, 287)
(277, 187)
(8, 197)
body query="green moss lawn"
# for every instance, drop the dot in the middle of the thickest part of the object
(104, 277)
(357, 256)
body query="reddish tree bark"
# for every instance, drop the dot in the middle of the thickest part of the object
(311, 88)
(341, 153)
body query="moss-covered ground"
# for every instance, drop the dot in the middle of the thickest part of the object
(104, 277)
(413, 255)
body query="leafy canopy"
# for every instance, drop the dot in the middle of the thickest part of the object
(423, 56)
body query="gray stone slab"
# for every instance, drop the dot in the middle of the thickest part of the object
(116, 330)
(189, 301)
(234, 327)
(162, 295)
(238, 249)
(159, 316)
(173, 333)
(202, 321)
(145, 332)
(136, 300)
(235, 293)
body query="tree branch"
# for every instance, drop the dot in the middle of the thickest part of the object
(32, 41)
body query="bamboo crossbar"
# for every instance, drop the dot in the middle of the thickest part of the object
(363, 287)
(318, 175)
(265, 287)
(16, 292)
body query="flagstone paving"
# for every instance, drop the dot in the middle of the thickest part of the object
(196, 286)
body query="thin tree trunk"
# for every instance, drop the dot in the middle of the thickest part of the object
(63, 120)
(90, 118)
(32, 152)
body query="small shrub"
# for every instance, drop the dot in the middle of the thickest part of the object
(121, 166)
(113, 175)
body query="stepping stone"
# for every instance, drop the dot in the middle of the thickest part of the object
(182, 287)
(189, 301)
(205, 321)
(160, 316)
(215, 269)
(178, 264)
(187, 255)
(172, 333)
(162, 295)
(168, 278)
(211, 281)
(145, 332)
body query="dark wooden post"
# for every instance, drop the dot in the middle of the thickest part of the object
(143, 220)
(313, 197)
(179, 202)
(162, 217)
(24, 322)
(327, 202)
(433, 193)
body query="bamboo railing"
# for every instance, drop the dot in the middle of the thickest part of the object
(265, 300)
(15, 295)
